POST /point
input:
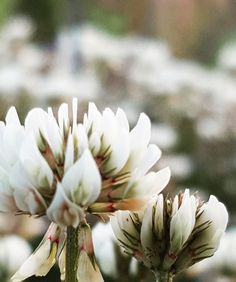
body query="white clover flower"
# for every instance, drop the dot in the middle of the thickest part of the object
(66, 170)
(171, 235)
(11, 138)
(104, 247)
(10, 259)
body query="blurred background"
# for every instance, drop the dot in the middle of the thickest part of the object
(174, 60)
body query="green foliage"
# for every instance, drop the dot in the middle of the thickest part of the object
(112, 21)
(6, 9)
(46, 14)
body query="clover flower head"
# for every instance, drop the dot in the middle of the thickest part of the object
(51, 166)
(170, 235)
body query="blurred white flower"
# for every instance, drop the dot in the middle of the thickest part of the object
(106, 253)
(164, 136)
(225, 258)
(171, 235)
(104, 248)
(10, 259)
(181, 165)
(11, 138)
(17, 29)
(227, 57)
(212, 127)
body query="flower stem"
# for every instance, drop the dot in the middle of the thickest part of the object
(71, 254)
(163, 277)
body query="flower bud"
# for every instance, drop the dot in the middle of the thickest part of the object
(171, 235)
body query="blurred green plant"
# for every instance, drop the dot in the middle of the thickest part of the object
(6, 9)
(47, 15)
(111, 21)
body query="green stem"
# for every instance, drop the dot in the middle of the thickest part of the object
(163, 277)
(72, 251)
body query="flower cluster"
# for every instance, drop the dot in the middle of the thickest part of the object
(171, 235)
(49, 166)
(66, 170)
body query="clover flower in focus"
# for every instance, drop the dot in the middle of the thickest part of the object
(66, 170)
(170, 235)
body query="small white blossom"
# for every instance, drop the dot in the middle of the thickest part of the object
(104, 247)
(171, 235)
(10, 260)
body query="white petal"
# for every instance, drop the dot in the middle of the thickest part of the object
(35, 165)
(126, 223)
(32, 265)
(69, 155)
(54, 137)
(119, 233)
(83, 181)
(12, 117)
(110, 128)
(119, 154)
(62, 264)
(95, 143)
(152, 156)
(80, 140)
(86, 271)
(93, 119)
(26, 196)
(159, 217)
(214, 213)
(35, 121)
(182, 223)
(12, 139)
(62, 211)
(147, 234)
(140, 135)
(149, 185)
(139, 139)
(122, 119)
(5, 185)
(63, 117)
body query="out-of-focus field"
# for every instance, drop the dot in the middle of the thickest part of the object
(173, 60)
